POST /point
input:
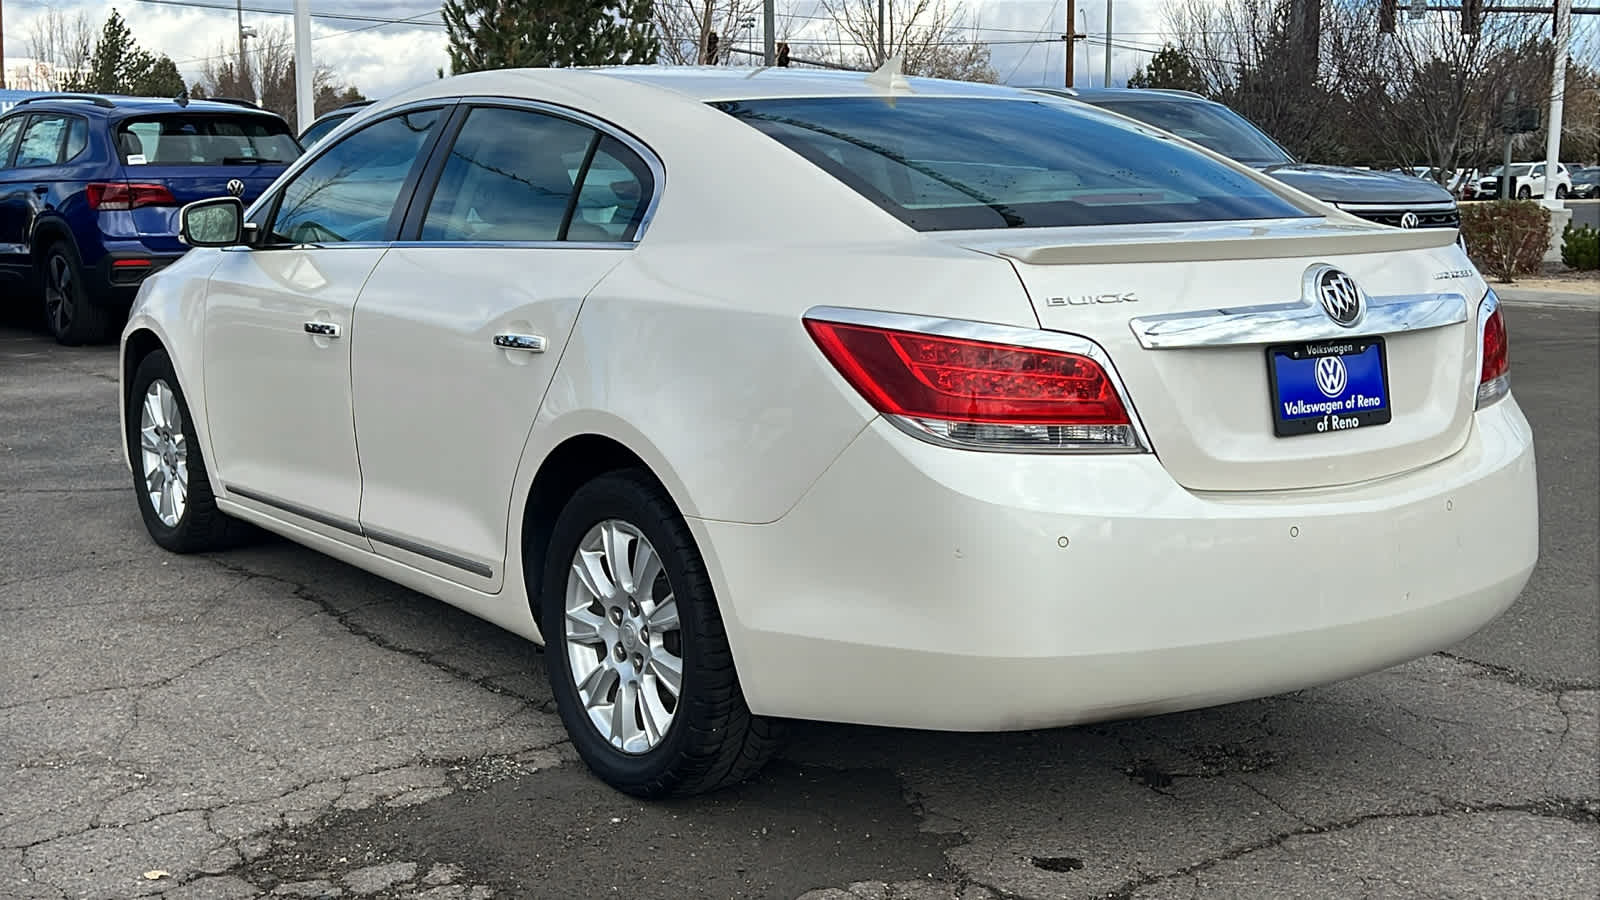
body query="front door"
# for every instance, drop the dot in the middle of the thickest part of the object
(460, 328)
(278, 328)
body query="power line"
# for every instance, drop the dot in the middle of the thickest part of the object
(343, 17)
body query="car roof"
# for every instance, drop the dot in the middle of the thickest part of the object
(1091, 95)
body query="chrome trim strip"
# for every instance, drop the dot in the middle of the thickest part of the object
(296, 509)
(531, 342)
(522, 245)
(1443, 206)
(449, 559)
(968, 329)
(1292, 322)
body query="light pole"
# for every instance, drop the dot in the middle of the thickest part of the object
(1107, 82)
(1558, 88)
(304, 103)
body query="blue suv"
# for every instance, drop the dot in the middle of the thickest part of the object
(91, 185)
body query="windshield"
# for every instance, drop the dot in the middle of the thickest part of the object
(1210, 125)
(954, 163)
(1516, 171)
(204, 139)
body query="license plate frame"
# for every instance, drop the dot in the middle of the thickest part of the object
(1292, 367)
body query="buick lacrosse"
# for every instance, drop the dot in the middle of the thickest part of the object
(756, 395)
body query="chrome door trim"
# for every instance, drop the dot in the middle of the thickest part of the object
(1293, 322)
(532, 343)
(296, 509)
(440, 556)
(322, 329)
(1441, 206)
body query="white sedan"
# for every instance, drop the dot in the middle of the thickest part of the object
(758, 395)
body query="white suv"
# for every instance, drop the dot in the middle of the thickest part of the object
(1527, 181)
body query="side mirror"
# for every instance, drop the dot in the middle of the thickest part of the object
(218, 222)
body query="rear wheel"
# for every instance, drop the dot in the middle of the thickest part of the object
(169, 472)
(69, 314)
(637, 655)
(1524, 193)
(1561, 192)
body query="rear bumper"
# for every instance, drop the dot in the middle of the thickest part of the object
(118, 274)
(923, 587)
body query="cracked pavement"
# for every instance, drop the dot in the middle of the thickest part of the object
(270, 722)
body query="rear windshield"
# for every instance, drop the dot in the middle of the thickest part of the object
(941, 163)
(206, 140)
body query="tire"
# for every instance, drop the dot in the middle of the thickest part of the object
(69, 313)
(1524, 193)
(198, 526)
(1561, 192)
(711, 739)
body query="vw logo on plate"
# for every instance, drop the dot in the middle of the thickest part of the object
(1410, 220)
(1332, 377)
(1341, 299)
(235, 186)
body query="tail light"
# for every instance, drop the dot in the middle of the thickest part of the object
(116, 195)
(976, 392)
(1494, 353)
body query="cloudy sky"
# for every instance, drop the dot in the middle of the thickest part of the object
(383, 58)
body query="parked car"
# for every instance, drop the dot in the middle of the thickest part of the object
(1586, 184)
(990, 411)
(91, 185)
(328, 121)
(1389, 198)
(1527, 181)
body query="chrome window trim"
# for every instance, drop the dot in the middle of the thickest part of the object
(658, 172)
(969, 329)
(1300, 320)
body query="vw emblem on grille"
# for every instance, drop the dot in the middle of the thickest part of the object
(1410, 220)
(1331, 376)
(235, 186)
(1341, 299)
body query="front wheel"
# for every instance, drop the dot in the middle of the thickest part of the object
(1561, 192)
(637, 655)
(1524, 193)
(169, 474)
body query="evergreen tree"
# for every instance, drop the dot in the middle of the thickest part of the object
(501, 34)
(119, 66)
(1170, 68)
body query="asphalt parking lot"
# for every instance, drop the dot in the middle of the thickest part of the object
(269, 721)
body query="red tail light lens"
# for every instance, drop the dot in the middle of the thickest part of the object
(1494, 374)
(114, 196)
(979, 393)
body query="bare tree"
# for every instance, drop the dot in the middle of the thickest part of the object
(933, 35)
(684, 26)
(269, 76)
(64, 45)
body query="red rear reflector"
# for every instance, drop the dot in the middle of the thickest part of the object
(922, 376)
(114, 196)
(130, 264)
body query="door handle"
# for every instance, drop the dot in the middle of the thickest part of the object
(322, 329)
(532, 343)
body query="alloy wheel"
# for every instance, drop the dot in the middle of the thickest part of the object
(60, 281)
(623, 643)
(164, 453)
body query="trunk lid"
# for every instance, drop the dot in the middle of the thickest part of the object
(1188, 316)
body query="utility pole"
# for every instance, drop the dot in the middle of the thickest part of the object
(305, 104)
(2, 45)
(769, 24)
(1071, 38)
(1558, 89)
(883, 45)
(1107, 81)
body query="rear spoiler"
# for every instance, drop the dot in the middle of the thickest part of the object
(1234, 242)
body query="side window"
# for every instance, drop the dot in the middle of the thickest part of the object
(41, 141)
(616, 191)
(77, 138)
(509, 177)
(349, 192)
(9, 129)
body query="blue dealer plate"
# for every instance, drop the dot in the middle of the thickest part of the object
(1328, 386)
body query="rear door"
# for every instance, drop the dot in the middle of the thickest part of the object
(14, 209)
(180, 157)
(459, 329)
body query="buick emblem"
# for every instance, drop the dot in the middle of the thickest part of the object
(1410, 220)
(235, 186)
(1338, 294)
(1331, 376)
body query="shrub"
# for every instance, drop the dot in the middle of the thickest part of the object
(1580, 247)
(1506, 238)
